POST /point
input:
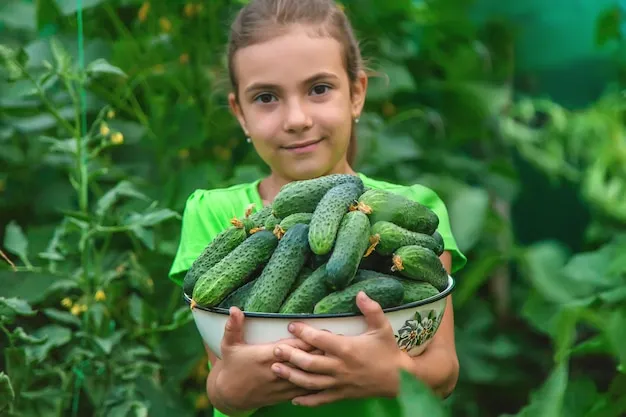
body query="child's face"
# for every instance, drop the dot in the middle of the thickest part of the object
(295, 103)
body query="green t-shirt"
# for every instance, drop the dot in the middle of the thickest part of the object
(208, 212)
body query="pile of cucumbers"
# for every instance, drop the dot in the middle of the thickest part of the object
(316, 246)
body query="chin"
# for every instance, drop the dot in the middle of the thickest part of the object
(306, 169)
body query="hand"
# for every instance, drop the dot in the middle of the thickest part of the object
(352, 367)
(244, 380)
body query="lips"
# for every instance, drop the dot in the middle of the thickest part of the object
(303, 144)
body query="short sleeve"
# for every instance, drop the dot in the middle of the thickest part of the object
(199, 226)
(430, 199)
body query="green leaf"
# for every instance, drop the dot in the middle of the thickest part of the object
(56, 336)
(32, 286)
(15, 306)
(6, 392)
(416, 398)
(543, 263)
(468, 211)
(107, 344)
(145, 235)
(21, 335)
(122, 189)
(18, 14)
(151, 218)
(101, 66)
(15, 241)
(62, 317)
(548, 400)
(616, 334)
(13, 61)
(68, 7)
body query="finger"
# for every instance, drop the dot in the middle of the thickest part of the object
(323, 340)
(303, 379)
(374, 316)
(233, 331)
(297, 343)
(317, 364)
(318, 398)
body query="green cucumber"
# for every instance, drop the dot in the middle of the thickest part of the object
(350, 247)
(413, 290)
(234, 269)
(270, 222)
(281, 271)
(238, 297)
(291, 220)
(302, 275)
(377, 262)
(387, 292)
(303, 299)
(391, 237)
(383, 205)
(421, 264)
(303, 196)
(256, 220)
(215, 251)
(328, 215)
(440, 243)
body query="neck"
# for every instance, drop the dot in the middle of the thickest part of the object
(270, 186)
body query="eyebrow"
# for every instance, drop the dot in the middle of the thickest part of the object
(310, 80)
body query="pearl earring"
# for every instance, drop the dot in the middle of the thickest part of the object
(248, 140)
(356, 120)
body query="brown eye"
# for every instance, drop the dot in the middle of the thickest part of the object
(320, 89)
(264, 98)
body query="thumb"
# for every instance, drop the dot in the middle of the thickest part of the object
(374, 316)
(233, 331)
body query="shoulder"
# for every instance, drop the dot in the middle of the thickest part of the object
(416, 192)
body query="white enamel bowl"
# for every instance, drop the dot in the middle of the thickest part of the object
(413, 324)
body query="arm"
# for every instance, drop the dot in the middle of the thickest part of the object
(438, 365)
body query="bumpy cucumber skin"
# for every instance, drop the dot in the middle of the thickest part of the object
(351, 244)
(303, 299)
(328, 215)
(238, 297)
(422, 264)
(393, 237)
(292, 219)
(302, 275)
(400, 210)
(440, 243)
(215, 251)
(234, 269)
(271, 222)
(388, 292)
(413, 290)
(257, 219)
(303, 196)
(281, 271)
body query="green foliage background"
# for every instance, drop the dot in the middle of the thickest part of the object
(512, 112)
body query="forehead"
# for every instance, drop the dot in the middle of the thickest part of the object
(292, 56)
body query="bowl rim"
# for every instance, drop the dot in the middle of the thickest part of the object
(218, 310)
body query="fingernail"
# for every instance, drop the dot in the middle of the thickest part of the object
(291, 327)
(295, 402)
(276, 369)
(277, 351)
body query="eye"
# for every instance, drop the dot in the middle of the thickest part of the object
(320, 89)
(264, 98)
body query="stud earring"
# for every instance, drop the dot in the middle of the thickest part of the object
(248, 140)
(356, 120)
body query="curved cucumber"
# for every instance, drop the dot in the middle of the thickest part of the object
(352, 243)
(215, 251)
(388, 292)
(233, 270)
(278, 276)
(303, 196)
(303, 299)
(421, 264)
(291, 220)
(392, 237)
(328, 215)
(440, 243)
(382, 205)
(413, 290)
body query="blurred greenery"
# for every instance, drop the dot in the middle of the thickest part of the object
(513, 112)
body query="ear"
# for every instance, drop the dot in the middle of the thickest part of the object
(236, 109)
(359, 91)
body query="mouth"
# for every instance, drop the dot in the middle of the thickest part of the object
(305, 146)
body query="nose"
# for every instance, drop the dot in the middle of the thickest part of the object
(296, 118)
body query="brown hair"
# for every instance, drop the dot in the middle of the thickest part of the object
(261, 20)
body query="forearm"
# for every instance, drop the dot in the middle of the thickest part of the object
(219, 401)
(437, 367)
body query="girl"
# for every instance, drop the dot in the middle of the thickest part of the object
(298, 88)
